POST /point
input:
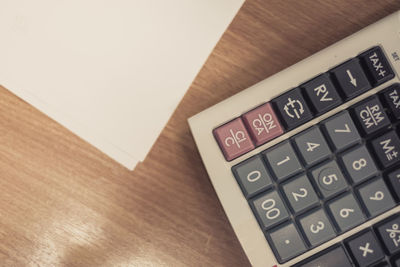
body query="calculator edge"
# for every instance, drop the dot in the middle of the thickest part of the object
(236, 207)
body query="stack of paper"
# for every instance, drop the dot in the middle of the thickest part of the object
(112, 71)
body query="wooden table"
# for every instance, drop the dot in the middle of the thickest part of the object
(64, 203)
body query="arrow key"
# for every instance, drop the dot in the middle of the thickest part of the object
(351, 78)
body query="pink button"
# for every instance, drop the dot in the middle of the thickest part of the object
(233, 139)
(262, 124)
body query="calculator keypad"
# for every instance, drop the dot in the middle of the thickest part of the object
(325, 180)
(330, 177)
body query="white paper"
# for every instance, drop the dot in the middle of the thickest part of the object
(112, 71)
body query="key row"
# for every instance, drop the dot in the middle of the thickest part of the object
(321, 223)
(377, 246)
(302, 104)
(317, 144)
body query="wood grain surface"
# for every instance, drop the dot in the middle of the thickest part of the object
(64, 203)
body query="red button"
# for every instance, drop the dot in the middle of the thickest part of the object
(233, 139)
(262, 124)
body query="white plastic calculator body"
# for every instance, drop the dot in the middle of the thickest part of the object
(384, 34)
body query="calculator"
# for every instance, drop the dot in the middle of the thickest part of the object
(306, 163)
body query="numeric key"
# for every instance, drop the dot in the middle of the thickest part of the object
(346, 212)
(312, 146)
(359, 164)
(252, 176)
(317, 227)
(341, 131)
(269, 209)
(283, 160)
(376, 197)
(329, 179)
(300, 194)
